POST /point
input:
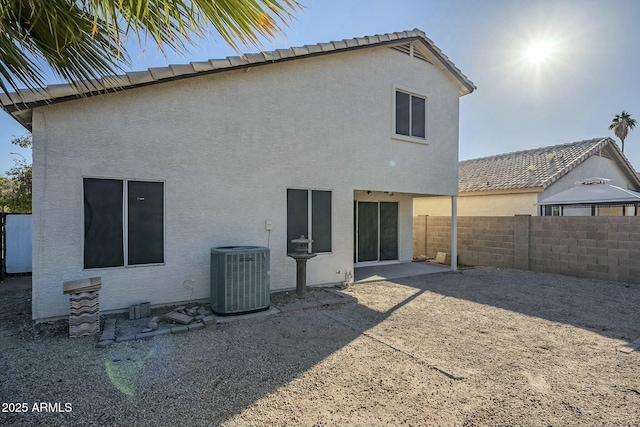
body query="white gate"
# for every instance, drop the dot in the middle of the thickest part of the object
(18, 243)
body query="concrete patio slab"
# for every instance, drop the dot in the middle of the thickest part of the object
(394, 271)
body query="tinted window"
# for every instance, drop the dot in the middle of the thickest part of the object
(410, 115)
(388, 231)
(103, 226)
(104, 222)
(402, 113)
(321, 220)
(146, 222)
(417, 116)
(297, 216)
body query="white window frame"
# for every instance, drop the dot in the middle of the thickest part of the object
(125, 225)
(556, 210)
(409, 138)
(310, 217)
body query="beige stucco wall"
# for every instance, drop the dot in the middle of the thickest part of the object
(489, 205)
(227, 147)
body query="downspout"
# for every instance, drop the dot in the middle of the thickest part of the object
(454, 233)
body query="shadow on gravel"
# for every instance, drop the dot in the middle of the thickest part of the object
(605, 307)
(210, 377)
(202, 378)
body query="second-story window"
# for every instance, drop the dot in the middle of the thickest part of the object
(410, 115)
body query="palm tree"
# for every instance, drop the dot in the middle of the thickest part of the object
(621, 124)
(82, 40)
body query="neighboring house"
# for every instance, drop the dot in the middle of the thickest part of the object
(137, 180)
(514, 183)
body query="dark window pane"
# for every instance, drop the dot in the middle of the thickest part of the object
(146, 222)
(418, 106)
(103, 232)
(321, 220)
(367, 231)
(388, 231)
(297, 216)
(402, 113)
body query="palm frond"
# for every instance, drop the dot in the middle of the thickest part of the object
(59, 34)
(82, 40)
(172, 22)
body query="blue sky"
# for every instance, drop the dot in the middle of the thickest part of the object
(588, 78)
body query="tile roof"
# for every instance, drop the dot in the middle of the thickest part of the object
(536, 168)
(20, 104)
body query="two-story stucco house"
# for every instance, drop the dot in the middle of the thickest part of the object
(137, 180)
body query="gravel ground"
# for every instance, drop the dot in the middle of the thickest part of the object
(481, 347)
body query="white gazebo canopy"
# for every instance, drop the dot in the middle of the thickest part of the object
(594, 191)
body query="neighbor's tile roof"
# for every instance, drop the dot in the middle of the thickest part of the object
(20, 104)
(535, 168)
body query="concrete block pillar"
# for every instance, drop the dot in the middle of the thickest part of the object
(521, 242)
(454, 233)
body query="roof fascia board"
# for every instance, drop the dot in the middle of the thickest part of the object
(623, 162)
(571, 166)
(620, 159)
(500, 192)
(21, 106)
(447, 64)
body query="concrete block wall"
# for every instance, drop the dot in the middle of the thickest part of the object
(486, 240)
(438, 237)
(605, 248)
(521, 241)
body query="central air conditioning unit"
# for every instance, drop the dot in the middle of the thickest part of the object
(239, 279)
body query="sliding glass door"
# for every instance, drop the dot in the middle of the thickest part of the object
(376, 231)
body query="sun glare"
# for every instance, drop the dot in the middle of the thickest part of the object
(539, 51)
